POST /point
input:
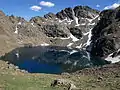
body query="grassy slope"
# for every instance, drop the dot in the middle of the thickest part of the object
(11, 79)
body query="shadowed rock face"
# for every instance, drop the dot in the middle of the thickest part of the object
(66, 13)
(76, 32)
(50, 16)
(53, 31)
(85, 12)
(105, 35)
(80, 11)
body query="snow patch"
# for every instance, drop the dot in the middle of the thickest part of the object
(70, 44)
(75, 63)
(113, 59)
(91, 23)
(74, 39)
(44, 44)
(98, 18)
(85, 56)
(65, 38)
(77, 25)
(88, 55)
(66, 21)
(89, 37)
(90, 20)
(83, 24)
(19, 23)
(70, 21)
(75, 18)
(64, 51)
(33, 24)
(73, 51)
(16, 31)
(90, 33)
(76, 21)
(79, 46)
(60, 21)
(85, 33)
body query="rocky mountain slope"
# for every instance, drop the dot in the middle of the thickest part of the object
(70, 27)
(74, 37)
(105, 36)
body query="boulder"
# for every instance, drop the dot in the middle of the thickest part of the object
(64, 83)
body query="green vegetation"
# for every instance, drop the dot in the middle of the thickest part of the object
(13, 79)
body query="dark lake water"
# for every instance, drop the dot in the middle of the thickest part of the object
(34, 66)
(66, 62)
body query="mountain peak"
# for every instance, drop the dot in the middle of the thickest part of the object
(79, 11)
(50, 15)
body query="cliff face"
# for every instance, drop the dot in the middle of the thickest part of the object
(105, 35)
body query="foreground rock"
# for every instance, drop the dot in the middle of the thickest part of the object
(64, 83)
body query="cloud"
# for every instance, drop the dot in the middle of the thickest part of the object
(97, 5)
(47, 4)
(35, 8)
(113, 6)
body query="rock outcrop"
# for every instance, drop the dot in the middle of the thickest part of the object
(64, 83)
(105, 35)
